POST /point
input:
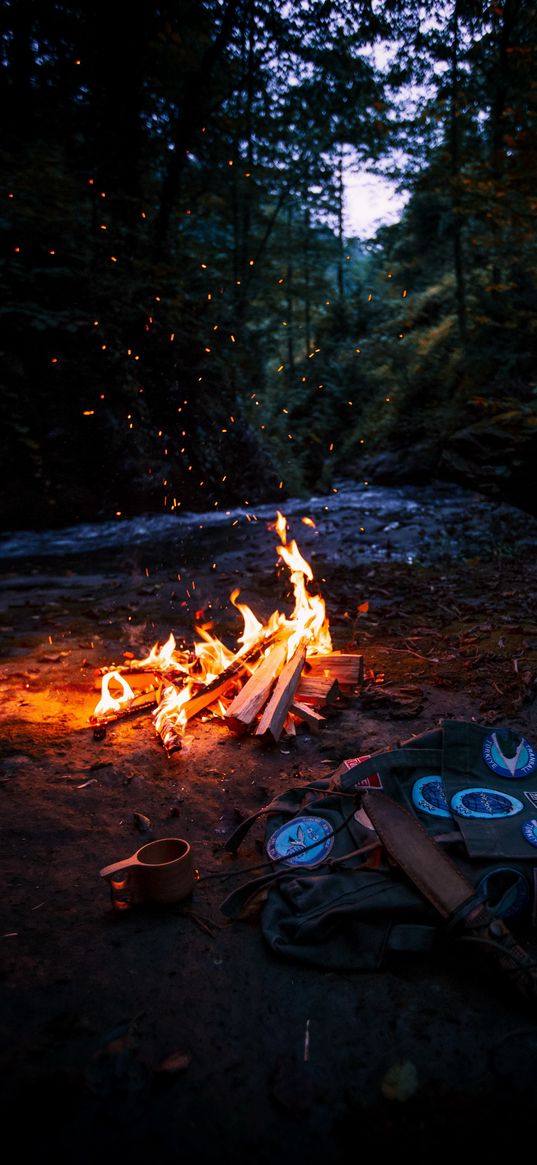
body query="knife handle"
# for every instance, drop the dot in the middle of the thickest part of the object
(494, 938)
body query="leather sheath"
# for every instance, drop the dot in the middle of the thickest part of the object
(427, 866)
(449, 891)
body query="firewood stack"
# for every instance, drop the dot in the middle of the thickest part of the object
(284, 674)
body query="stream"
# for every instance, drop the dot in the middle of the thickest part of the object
(353, 524)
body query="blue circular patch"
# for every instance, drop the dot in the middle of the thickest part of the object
(509, 754)
(429, 796)
(304, 841)
(485, 803)
(529, 829)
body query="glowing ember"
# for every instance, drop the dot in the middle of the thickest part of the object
(209, 676)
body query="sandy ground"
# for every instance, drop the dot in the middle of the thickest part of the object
(172, 1030)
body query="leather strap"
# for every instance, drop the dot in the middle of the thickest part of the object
(281, 804)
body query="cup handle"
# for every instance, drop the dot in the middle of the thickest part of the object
(118, 867)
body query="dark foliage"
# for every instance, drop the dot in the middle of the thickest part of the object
(184, 323)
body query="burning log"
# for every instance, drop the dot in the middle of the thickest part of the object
(319, 691)
(348, 670)
(273, 717)
(170, 720)
(308, 714)
(238, 667)
(244, 708)
(289, 726)
(142, 702)
(127, 703)
(176, 708)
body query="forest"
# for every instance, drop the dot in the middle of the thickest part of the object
(186, 323)
(194, 323)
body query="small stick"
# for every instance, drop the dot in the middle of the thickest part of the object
(132, 708)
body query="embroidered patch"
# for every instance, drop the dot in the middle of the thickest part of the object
(371, 782)
(509, 754)
(529, 829)
(429, 796)
(485, 803)
(304, 841)
(356, 760)
(532, 798)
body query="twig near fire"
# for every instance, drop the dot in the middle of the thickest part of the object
(130, 704)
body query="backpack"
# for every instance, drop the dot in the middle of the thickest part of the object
(332, 898)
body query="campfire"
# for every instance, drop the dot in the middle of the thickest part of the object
(283, 673)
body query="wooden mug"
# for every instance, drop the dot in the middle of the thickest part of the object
(161, 871)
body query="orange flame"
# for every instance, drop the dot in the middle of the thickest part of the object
(309, 622)
(252, 626)
(170, 718)
(108, 702)
(212, 656)
(164, 658)
(307, 625)
(280, 526)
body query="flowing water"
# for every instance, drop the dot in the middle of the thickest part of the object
(353, 524)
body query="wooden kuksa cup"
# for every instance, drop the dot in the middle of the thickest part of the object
(161, 871)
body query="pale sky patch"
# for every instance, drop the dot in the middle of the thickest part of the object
(371, 201)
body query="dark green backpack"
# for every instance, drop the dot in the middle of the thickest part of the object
(332, 898)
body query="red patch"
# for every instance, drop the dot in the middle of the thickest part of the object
(356, 760)
(371, 782)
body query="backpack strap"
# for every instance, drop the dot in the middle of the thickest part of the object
(384, 762)
(288, 802)
(237, 903)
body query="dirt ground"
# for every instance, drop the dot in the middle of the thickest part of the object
(173, 1030)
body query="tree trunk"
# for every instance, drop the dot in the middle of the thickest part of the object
(307, 274)
(456, 210)
(190, 118)
(289, 285)
(340, 231)
(497, 128)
